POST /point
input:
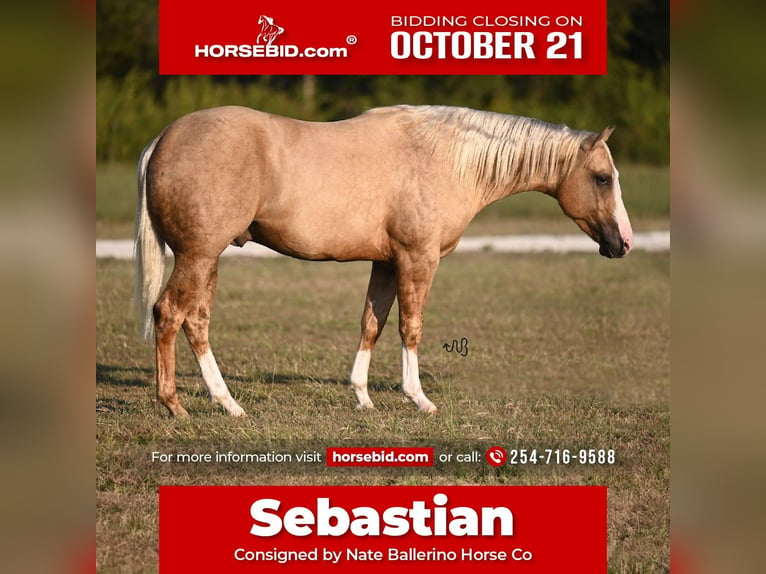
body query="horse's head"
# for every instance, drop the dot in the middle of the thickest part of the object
(591, 196)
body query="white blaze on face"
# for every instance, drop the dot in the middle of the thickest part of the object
(621, 215)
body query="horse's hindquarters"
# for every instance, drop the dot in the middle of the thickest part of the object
(199, 196)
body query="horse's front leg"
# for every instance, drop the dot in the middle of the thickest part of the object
(415, 275)
(381, 293)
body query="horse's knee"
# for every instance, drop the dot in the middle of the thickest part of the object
(410, 335)
(370, 326)
(369, 338)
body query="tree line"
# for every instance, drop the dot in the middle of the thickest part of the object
(134, 102)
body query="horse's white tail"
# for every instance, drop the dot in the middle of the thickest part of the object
(149, 252)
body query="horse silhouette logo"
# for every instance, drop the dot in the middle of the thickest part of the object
(269, 30)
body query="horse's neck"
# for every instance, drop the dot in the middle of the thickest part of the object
(491, 194)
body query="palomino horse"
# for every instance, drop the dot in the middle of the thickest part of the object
(396, 186)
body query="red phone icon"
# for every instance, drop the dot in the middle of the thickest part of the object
(496, 456)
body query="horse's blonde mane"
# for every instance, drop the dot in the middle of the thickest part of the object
(491, 150)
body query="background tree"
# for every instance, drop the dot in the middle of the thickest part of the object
(134, 102)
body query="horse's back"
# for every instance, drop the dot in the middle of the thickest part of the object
(315, 190)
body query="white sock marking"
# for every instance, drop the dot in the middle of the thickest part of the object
(219, 392)
(411, 381)
(359, 373)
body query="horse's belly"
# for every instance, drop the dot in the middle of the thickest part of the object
(328, 244)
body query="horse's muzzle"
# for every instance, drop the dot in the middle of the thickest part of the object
(614, 250)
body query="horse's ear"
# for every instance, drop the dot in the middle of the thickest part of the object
(591, 141)
(605, 133)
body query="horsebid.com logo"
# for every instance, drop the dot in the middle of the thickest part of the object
(265, 46)
(269, 30)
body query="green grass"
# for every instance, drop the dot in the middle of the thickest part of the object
(645, 192)
(564, 352)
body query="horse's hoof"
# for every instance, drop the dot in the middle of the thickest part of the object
(231, 406)
(177, 412)
(365, 406)
(428, 408)
(237, 411)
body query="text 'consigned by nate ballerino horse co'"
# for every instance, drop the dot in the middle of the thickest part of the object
(280, 527)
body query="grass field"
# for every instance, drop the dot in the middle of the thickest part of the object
(645, 191)
(565, 351)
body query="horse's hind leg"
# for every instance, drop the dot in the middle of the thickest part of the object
(170, 310)
(381, 293)
(196, 327)
(186, 301)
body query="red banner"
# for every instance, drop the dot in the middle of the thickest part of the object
(396, 37)
(340, 529)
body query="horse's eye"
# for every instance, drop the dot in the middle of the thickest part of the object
(603, 180)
